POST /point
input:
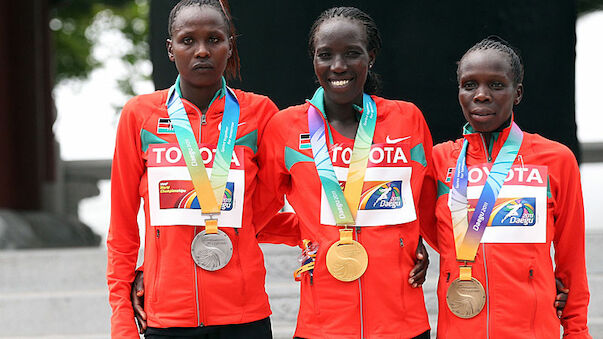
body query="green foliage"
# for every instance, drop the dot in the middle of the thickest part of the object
(76, 26)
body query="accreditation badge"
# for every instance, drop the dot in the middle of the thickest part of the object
(520, 211)
(172, 196)
(386, 197)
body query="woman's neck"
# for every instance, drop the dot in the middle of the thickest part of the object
(200, 96)
(342, 117)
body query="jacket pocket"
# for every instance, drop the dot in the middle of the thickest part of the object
(156, 285)
(402, 263)
(534, 301)
(238, 265)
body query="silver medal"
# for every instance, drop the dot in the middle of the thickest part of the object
(211, 252)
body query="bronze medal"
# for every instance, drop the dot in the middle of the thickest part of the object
(347, 259)
(466, 298)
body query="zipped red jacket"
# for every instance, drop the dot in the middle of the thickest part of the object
(540, 203)
(381, 303)
(148, 165)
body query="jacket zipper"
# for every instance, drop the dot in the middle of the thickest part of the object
(487, 293)
(489, 159)
(195, 268)
(202, 122)
(158, 271)
(488, 156)
(357, 234)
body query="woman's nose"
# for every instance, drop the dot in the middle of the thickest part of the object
(339, 65)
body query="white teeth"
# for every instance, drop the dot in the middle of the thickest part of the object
(339, 83)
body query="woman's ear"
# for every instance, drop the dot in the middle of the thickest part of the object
(518, 94)
(168, 45)
(230, 44)
(372, 57)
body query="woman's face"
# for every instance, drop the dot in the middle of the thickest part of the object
(200, 45)
(486, 89)
(341, 59)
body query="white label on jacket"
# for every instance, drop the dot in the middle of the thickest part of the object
(386, 197)
(519, 214)
(172, 197)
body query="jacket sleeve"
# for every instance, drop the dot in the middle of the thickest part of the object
(569, 246)
(428, 196)
(123, 238)
(273, 182)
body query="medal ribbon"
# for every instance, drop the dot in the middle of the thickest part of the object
(468, 234)
(210, 193)
(344, 204)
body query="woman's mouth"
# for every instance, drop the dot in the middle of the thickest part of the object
(339, 83)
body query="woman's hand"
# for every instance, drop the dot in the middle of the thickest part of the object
(561, 297)
(137, 296)
(419, 272)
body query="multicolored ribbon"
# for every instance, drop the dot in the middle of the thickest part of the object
(468, 234)
(210, 193)
(344, 204)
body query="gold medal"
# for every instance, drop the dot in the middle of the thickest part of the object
(466, 298)
(346, 259)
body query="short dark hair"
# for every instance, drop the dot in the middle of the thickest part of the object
(373, 81)
(233, 66)
(497, 43)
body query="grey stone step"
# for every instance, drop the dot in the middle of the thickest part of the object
(61, 313)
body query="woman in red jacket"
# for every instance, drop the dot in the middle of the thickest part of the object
(204, 271)
(504, 196)
(359, 243)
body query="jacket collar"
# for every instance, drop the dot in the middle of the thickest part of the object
(216, 105)
(477, 141)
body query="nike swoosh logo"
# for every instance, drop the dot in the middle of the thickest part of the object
(220, 124)
(395, 141)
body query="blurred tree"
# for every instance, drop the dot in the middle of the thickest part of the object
(76, 26)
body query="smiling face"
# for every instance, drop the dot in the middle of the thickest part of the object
(341, 59)
(487, 92)
(200, 46)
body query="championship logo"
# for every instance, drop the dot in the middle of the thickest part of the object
(381, 195)
(181, 194)
(514, 212)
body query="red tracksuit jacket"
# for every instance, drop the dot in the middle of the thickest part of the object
(513, 262)
(147, 158)
(380, 304)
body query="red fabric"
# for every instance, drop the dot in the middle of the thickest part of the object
(519, 277)
(177, 292)
(381, 304)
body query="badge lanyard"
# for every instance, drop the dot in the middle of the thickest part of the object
(343, 203)
(468, 233)
(210, 193)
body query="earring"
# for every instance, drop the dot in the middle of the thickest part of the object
(371, 65)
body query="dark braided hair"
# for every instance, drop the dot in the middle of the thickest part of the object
(373, 80)
(233, 66)
(497, 43)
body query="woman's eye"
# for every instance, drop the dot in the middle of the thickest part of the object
(214, 40)
(353, 53)
(187, 41)
(323, 55)
(497, 85)
(469, 85)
